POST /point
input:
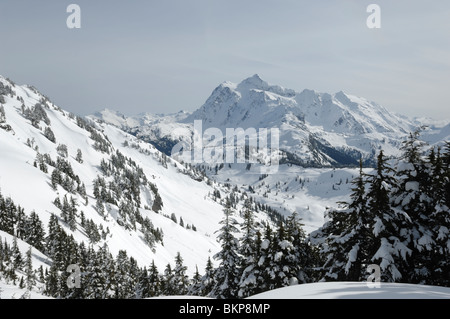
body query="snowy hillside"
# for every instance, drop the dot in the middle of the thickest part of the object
(101, 192)
(137, 199)
(107, 187)
(31, 188)
(316, 129)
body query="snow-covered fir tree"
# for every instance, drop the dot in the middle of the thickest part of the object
(207, 281)
(344, 236)
(419, 195)
(304, 256)
(227, 275)
(386, 247)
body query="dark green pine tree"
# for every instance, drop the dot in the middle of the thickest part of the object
(21, 224)
(263, 277)
(228, 273)
(56, 178)
(154, 280)
(8, 212)
(248, 228)
(446, 164)
(343, 237)
(304, 256)
(142, 289)
(94, 278)
(281, 269)
(439, 255)
(168, 285)
(34, 232)
(180, 277)
(411, 198)
(195, 284)
(123, 277)
(30, 279)
(207, 282)
(72, 214)
(52, 282)
(385, 247)
(248, 251)
(55, 243)
(65, 209)
(7, 263)
(16, 256)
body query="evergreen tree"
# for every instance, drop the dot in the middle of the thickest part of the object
(410, 197)
(2, 115)
(79, 157)
(62, 150)
(34, 233)
(168, 284)
(72, 214)
(17, 259)
(154, 280)
(279, 267)
(95, 280)
(100, 207)
(52, 282)
(386, 247)
(440, 225)
(228, 274)
(207, 282)
(249, 250)
(48, 133)
(304, 256)
(142, 289)
(344, 236)
(55, 241)
(56, 178)
(21, 224)
(195, 284)
(7, 214)
(29, 272)
(180, 277)
(124, 280)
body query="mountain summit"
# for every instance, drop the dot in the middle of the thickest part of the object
(316, 129)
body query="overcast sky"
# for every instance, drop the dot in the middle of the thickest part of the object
(168, 55)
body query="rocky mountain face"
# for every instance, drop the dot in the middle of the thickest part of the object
(315, 129)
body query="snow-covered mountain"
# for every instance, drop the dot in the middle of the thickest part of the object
(108, 187)
(316, 129)
(49, 155)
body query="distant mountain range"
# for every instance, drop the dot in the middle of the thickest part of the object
(316, 129)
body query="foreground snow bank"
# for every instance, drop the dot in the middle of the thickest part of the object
(356, 290)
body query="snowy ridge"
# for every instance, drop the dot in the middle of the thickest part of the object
(100, 182)
(33, 133)
(17, 159)
(317, 129)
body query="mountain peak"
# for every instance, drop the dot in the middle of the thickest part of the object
(253, 82)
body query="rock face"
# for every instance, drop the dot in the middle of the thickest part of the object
(316, 129)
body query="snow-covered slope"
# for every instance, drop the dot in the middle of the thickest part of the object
(315, 128)
(184, 193)
(356, 290)
(37, 139)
